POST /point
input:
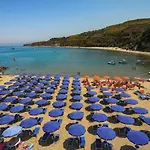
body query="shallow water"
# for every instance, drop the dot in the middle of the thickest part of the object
(70, 61)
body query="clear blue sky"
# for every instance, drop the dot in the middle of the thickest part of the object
(24, 21)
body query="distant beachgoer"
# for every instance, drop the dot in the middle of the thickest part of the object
(14, 59)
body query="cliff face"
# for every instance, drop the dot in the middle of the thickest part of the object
(134, 34)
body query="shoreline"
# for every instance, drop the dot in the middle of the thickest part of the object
(102, 48)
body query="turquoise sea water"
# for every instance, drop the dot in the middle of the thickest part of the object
(70, 61)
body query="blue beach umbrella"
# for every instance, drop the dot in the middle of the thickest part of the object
(12, 87)
(61, 97)
(10, 99)
(25, 100)
(137, 137)
(96, 107)
(77, 87)
(42, 102)
(119, 89)
(8, 83)
(56, 112)
(76, 106)
(31, 95)
(111, 100)
(46, 96)
(58, 104)
(40, 85)
(4, 92)
(131, 101)
(106, 133)
(36, 111)
(12, 131)
(126, 119)
(77, 115)
(6, 119)
(37, 90)
(93, 99)
(76, 92)
(63, 91)
(19, 94)
(2, 87)
(89, 88)
(49, 90)
(118, 108)
(77, 98)
(124, 94)
(99, 117)
(76, 130)
(64, 87)
(108, 94)
(104, 89)
(3, 106)
(65, 82)
(92, 93)
(76, 83)
(17, 109)
(51, 126)
(76, 77)
(140, 110)
(147, 120)
(28, 123)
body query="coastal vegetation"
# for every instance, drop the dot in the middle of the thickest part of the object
(133, 34)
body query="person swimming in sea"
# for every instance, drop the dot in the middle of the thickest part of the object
(14, 59)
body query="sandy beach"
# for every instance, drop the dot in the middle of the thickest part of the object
(118, 143)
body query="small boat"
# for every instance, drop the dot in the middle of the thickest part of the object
(111, 63)
(140, 62)
(123, 61)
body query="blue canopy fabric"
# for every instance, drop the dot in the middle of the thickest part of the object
(41, 85)
(2, 87)
(137, 137)
(77, 87)
(119, 89)
(76, 130)
(10, 99)
(58, 104)
(17, 109)
(108, 94)
(25, 100)
(77, 98)
(76, 83)
(117, 108)
(131, 101)
(63, 91)
(111, 100)
(76, 92)
(12, 131)
(64, 86)
(124, 94)
(126, 119)
(76, 106)
(56, 112)
(42, 102)
(93, 99)
(51, 126)
(147, 120)
(99, 117)
(28, 123)
(104, 89)
(77, 115)
(36, 111)
(65, 82)
(3, 106)
(50, 90)
(4, 92)
(61, 97)
(12, 87)
(96, 106)
(106, 133)
(140, 110)
(6, 119)
(92, 93)
(37, 90)
(46, 96)
(31, 95)
(89, 88)
(19, 93)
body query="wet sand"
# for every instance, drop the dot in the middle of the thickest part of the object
(118, 143)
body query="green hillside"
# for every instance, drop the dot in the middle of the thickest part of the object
(134, 34)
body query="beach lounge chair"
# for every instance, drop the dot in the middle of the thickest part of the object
(29, 147)
(45, 137)
(40, 120)
(36, 131)
(82, 142)
(44, 110)
(98, 144)
(60, 121)
(105, 125)
(57, 137)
